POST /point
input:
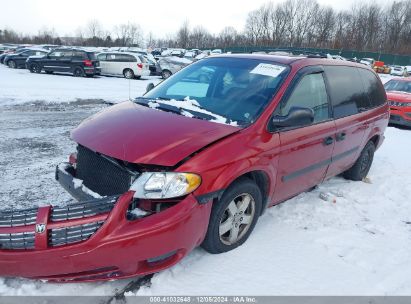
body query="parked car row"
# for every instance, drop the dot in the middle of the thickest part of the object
(77, 61)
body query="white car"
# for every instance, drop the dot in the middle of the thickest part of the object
(367, 61)
(397, 70)
(129, 65)
(338, 57)
(216, 52)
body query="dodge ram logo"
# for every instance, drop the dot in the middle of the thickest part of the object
(40, 228)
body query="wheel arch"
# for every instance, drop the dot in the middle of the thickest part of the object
(262, 180)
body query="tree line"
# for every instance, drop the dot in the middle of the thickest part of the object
(365, 26)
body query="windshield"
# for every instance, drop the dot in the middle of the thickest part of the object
(234, 88)
(398, 85)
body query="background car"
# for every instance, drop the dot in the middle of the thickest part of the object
(77, 62)
(399, 98)
(18, 60)
(171, 65)
(128, 64)
(367, 61)
(397, 70)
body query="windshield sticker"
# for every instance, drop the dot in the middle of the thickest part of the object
(268, 69)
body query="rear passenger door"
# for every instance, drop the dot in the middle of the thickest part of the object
(305, 152)
(349, 102)
(64, 61)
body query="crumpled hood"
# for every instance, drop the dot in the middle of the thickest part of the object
(138, 134)
(398, 96)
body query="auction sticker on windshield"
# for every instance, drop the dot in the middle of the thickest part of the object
(266, 69)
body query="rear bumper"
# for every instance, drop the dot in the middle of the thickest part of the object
(120, 248)
(92, 71)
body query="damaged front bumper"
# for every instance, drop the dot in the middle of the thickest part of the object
(94, 239)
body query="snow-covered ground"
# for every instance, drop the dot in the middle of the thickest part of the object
(20, 86)
(359, 245)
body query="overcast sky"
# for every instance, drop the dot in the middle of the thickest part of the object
(161, 17)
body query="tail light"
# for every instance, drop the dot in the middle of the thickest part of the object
(140, 65)
(88, 63)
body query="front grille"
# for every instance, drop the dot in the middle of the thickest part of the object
(17, 241)
(100, 174)
(83, 209)
(14, 218)
(59, 235)
(73, 234)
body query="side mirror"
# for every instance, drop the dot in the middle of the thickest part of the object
(149, 87)
(297, 117)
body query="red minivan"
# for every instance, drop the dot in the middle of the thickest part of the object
(196, 161)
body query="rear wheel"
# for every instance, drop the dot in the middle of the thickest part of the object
(234, 217)
(35, 68)
(363, 164)
(78, 72)
(12, 64)
(128, 73)
(165, 74)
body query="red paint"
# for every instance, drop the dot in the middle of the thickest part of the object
(404, 112)
(140, 135)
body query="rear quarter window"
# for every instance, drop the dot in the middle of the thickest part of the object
(346, 91)
(79, 55)
(373, 88)
(91, 56)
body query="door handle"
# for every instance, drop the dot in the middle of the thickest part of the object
(341, 136)
(328, 141)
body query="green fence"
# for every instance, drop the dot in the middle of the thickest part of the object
(386, 58)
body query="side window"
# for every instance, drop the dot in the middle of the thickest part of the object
(55, 54)
(373, 88)
(111, 57)
(67, 54)
(102, 57)
(346, 91)
(79, 55)
(310, 93)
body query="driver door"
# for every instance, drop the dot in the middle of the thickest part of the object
(305, 152)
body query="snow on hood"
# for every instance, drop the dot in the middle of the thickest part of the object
(139, 134)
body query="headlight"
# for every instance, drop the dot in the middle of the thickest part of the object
(158, 185)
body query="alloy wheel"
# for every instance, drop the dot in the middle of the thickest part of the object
(237, 219)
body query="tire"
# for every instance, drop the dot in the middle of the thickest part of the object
(363, 164)
(49, 72)
(35, 68)
(165, 74)
(78, 72)
(229, 217)
(12, 64)
(128, 74)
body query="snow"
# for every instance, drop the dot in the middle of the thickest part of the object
(78, 183)
(355, 242)
(20, 86)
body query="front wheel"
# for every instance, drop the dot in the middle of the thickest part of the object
(363, 164)
(233, 217)
(35, 68)
(165, 74)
